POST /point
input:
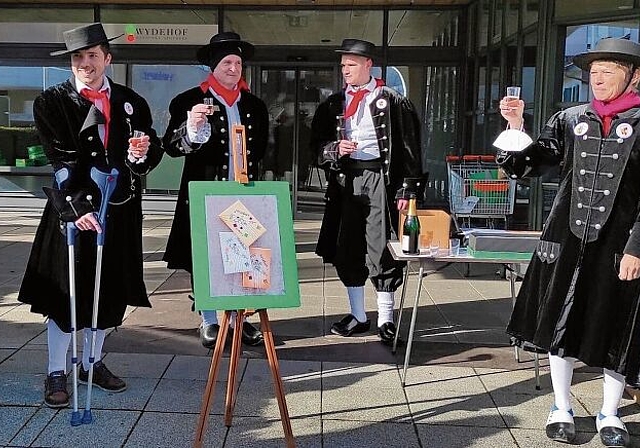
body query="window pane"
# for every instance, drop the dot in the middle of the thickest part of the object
(513, 10)
(483, 23)
(114, 14)
(423, 28)
(46, 15)
(570, 8)
(304, 27)
(530, 12)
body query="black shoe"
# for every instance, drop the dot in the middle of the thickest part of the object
(251, 335)
(55, 390)
(387, 333)
(613, 433)
(102, 378)
(209, 335)
(350, 325)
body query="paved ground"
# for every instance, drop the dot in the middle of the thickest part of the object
(464, 387)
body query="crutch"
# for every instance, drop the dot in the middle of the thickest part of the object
(61, 177)
(106, 183)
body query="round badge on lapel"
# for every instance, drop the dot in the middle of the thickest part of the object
(128, 108)
(581, 128)
(381, 103)
(624, 130)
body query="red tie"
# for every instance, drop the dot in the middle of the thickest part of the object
(93, 95)
(355, 101)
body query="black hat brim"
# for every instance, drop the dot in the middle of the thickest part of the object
(355, 52)
(584, 60)
(83, 47)
(204, 53)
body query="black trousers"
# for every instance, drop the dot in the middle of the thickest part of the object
(364, 231)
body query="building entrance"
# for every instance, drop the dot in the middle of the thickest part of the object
(292, 96)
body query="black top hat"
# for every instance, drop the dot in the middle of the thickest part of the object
(223, 44)
(86, 36)
(357, 47)
(610, 49)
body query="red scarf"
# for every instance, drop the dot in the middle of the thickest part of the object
(93, 95)
(229, 96)
(607, 111)
(358, 95)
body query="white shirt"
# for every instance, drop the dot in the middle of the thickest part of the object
(360, 127)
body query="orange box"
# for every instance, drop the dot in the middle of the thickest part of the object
(437, 221)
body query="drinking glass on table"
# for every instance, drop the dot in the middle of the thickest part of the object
(434, 248)
(424, 241)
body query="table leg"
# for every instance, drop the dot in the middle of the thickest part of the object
(401, 308)
(512, 284)
(412, 328)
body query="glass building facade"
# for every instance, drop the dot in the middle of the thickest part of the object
(453, 62)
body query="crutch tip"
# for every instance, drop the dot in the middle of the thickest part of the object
(86, 417)
(75, 419)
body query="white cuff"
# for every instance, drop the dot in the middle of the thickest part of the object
(196, 135)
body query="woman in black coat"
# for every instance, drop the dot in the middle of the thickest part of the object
(580, 296)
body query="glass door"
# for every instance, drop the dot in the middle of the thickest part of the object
(292, 95)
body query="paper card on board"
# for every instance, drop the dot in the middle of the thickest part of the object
(512, 140)
(235, 255)
(243, 223)
(259, 277)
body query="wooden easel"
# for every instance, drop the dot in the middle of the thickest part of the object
(231, 395)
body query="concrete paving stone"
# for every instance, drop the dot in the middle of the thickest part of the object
(30, 429)
(140, 365)
(514, 382)
(248, 432)
(31, 359)
(336, 375)
(365, 403)
(197, 368)
(21, 389)
(538, 439)
(437, 379)
(6, 353)
(173, 431)
(185, 396)
(290, 371)
(134, 398)
(482, 335)
(12, 419)
(453, 436)
(108, 429)
(458, 409)
(17, 334)
(257, 398)
(356, 434)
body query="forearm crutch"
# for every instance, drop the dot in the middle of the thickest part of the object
(106, 183)
(71, 238)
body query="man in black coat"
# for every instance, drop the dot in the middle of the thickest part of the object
(85, 122)
(376, 147)
(200, 133)
(580, 298)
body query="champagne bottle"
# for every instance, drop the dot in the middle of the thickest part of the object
(411, 229)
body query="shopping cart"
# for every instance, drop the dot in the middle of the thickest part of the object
(479, 190)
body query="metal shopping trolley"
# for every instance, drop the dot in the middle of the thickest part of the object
(479, 190)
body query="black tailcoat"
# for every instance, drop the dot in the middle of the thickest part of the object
(398, 132)
(210, 160)
(572, 302)
(68, 127)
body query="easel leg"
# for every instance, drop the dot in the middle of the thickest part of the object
(230, 401)
(207, 398)
(277, 378)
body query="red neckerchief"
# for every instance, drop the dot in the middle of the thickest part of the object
(357, 97)
(93, 95)
(229, 96)
(607, 111)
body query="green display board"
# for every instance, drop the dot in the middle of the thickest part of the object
(243, 246)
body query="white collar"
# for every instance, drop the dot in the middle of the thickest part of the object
(105, 86)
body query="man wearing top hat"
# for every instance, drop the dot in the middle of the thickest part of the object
(84, 122)
(580, 298)
(204, 142)
(368, 136)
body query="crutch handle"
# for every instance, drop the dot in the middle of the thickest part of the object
(106, 182)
